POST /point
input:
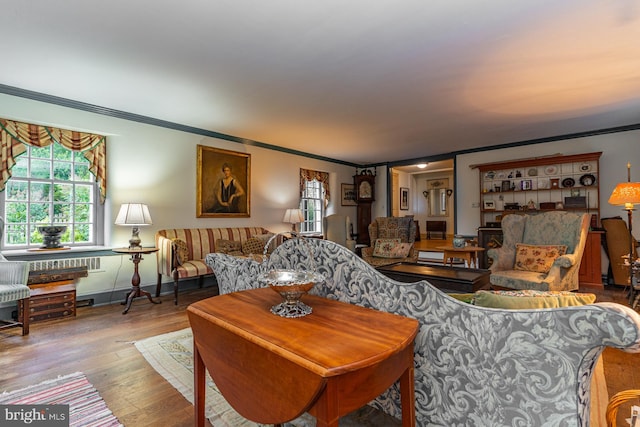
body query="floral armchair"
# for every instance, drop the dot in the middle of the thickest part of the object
(474, 366)
(382, 250)
(540, 252)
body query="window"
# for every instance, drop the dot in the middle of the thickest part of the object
(312, 206)
(51, 186)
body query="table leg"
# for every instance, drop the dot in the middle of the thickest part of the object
(135, 283)
(407, 399)
(199, 386)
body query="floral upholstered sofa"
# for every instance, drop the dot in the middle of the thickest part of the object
(181, 251)
(474, 366)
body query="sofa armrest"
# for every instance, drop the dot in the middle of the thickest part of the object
(165, 256)
(502, 258)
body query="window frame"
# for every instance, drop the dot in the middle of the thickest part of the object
(318, 202)
(97, 209)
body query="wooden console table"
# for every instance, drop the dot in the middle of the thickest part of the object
(272, 369)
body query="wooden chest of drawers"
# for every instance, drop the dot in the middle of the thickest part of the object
(54, 300)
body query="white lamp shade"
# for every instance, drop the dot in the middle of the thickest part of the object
(135, 214)
(293, 216)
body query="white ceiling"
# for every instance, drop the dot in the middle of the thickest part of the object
(360, 81)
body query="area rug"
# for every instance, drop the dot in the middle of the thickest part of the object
(86, 407)
(171, 355)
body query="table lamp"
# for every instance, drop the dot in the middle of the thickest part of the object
(134, 215)
(627, 194)
(293, 217)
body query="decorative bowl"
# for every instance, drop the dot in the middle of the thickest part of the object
(291, 285)
(51, 235)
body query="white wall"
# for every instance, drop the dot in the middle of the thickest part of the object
(157, 166)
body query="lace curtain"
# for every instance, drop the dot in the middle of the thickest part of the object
(15, 135)
(322, 177)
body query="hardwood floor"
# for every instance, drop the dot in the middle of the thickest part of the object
(99, 342)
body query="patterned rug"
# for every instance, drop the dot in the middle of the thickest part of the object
(171, 355)
(86, 407)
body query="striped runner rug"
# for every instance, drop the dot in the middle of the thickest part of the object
(86, 407)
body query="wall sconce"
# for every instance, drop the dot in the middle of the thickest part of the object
(449, 192)
(425, 193)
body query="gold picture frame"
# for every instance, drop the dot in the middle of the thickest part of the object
(223, 183)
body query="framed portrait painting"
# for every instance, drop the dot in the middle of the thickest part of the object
(348, 195)
(404, 199)
(223, 183)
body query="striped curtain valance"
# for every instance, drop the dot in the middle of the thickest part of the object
(322, 177)
(15, 135)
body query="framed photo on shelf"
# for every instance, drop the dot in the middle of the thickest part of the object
(348, 192)
(525, 184)
(489, 205)
(223, 183)
(506, 185)
(404, 199)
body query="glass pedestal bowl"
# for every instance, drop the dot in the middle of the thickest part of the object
(291, 285)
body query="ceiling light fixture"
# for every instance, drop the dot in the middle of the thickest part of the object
(421, 165)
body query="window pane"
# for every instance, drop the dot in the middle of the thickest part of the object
(16, 234)
(62, 192)
(39, 212)
(21, 168)
(16, 190)
(62, 171)
(40, 152)
(40, 192)
(15, 212)
(82, 172)
(84, 193)
(78, 157)
(61, 213)
(82, 233)
(40, 169)
(61, 153)
(82, 213)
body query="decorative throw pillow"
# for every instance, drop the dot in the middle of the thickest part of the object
(181, 250)
(253, 246)
(384, 248)
(537, 258)
(401, 250)
(530, 299)
(230, 247)
(264, 238)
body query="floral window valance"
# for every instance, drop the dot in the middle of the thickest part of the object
(322, 177)
(15, 135)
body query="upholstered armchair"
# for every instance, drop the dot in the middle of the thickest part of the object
(338, 228)
(383, 235)
(540, 252)
(13, 287)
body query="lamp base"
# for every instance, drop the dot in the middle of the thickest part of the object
(134, 241)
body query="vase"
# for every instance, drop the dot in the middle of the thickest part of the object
(51, 235)
(458, 241)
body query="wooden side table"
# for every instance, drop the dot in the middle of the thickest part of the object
(468, 253)
(136, 257)
(272, 369)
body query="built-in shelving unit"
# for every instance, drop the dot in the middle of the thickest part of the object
(540, 184)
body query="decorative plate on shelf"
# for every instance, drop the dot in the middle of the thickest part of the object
(501, 175)
(585, 167)
(551, 170)
(543, 184)
(532, 172)
(489, 175)
(587, 180)
(568, 182)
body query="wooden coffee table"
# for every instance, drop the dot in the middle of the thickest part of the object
(272, 369)
(448, 279)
